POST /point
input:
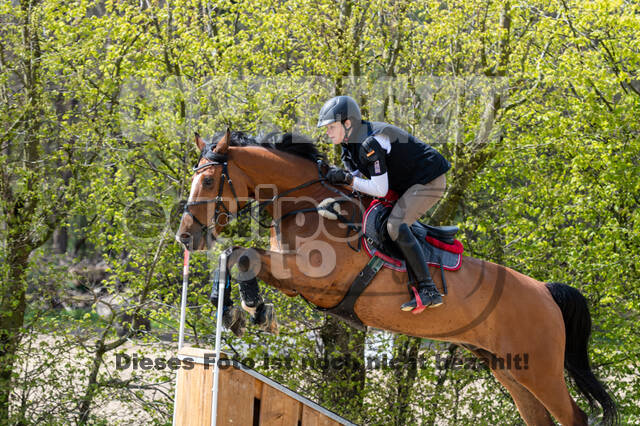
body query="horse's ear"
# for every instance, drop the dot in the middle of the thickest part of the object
(199, 142)
(223, 144)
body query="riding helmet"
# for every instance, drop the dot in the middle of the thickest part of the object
(339, 108)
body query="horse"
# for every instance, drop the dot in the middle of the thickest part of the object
(493, 311)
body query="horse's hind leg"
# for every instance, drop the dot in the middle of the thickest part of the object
(545, 380)
(531, 410)
(539, 389)
(553, 393)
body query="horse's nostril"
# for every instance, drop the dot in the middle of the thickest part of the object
(185, 238)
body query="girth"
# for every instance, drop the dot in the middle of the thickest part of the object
(345, 309)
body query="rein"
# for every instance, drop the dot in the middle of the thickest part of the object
(221, 159)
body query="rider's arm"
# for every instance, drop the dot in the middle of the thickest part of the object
(378, 186)
(374, 151)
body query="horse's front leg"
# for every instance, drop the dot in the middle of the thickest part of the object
(262, 314)
(232, 316)
(307, 271)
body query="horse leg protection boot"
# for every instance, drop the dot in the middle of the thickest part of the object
(265, 318)
(232, 316)
(250, 294)
(426, 294)
(262, 314)
(213, 297)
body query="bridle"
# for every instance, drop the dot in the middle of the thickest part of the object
(217, 159)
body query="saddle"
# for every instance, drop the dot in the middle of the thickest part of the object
(438, 242)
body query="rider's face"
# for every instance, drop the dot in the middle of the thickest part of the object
(335, 131)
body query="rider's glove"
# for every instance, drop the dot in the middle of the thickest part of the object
(337, 176)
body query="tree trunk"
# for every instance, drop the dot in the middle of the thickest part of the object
(92, 385)
(60, 240)
(343, 366)
(12, 311)
(405, 354)
(470, 162)
(448, 363)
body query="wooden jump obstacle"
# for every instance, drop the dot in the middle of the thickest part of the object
(245, 397)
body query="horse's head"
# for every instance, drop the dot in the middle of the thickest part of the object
(217, 186)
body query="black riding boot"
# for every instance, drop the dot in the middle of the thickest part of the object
(417, 263)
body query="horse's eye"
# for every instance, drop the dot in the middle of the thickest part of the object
(208, 181)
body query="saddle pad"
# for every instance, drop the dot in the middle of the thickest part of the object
(437, 253)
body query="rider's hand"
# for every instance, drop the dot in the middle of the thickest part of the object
(337, 176)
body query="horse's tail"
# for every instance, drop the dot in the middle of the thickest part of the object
(577, 323)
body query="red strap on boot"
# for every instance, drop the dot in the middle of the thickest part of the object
(419, 306)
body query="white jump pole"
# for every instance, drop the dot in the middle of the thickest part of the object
(183, 301)
(183, 312)
(216, 368)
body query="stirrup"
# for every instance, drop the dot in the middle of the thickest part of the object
(427, 297)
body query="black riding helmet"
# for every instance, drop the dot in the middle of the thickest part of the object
(339, 108)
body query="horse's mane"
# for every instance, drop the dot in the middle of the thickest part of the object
(292, 143)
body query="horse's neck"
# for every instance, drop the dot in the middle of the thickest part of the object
(279, 172)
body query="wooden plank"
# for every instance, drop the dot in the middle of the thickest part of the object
(193, 407)
(257, 384)
(205, 393)
(278, 409)
(311, 417)
(184, 383)
(235, 397)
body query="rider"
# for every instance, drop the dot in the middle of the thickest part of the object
(390, 159)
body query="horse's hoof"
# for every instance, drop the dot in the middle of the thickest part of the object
(233, 319)
(265, 318)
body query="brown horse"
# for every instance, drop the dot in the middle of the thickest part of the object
(527, 331)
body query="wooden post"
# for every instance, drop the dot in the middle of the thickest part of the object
(245, 397)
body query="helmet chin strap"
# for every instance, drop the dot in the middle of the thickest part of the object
(346, 131)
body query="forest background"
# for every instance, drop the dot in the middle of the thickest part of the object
(535, 103)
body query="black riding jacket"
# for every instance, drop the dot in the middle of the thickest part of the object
(410, 161)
